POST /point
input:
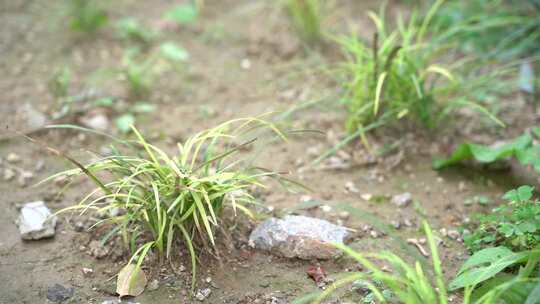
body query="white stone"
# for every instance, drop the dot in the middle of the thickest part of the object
(35, 221)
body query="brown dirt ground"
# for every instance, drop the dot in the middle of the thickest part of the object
(34, 43)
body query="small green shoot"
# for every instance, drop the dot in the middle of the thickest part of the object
(86, 16)
(407, 283)
(514, 225)
(184, 14)
(306, 16)
(132, 29)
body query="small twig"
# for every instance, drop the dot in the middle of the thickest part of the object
(419, 246)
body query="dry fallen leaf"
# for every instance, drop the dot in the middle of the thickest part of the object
(131, 281)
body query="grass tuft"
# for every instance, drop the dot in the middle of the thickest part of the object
(306, 17)
(400, 77)
(170, 201)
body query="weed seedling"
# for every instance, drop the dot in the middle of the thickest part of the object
(306, 16)
(132, 29)
(86, 16)
(513, 225)
(183, 14)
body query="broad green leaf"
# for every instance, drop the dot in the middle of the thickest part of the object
(183, 14)
(485, 264)
(534, 295)
(488, 255)
(521, 194)
(124, 122)
(516, 291)
(484, 154)
(174, 52)
(536, 131)
(530, 156)
(507, 229)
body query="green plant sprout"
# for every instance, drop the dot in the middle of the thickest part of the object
(306, 16)
(513, 225)
(184, 14)
(86, 16)
(132, 29)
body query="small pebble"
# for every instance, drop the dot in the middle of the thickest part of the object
(366, 196)
(40, 164)
(343, 215)
(408, 223)
(326, 208)
(245, 64)
(24, 178)
(9, 174)
(351, 187)
(453, 234)
(402, 200)
(202, 294)
(87, 271)
(13, 158)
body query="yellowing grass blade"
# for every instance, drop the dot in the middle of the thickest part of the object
(378, 92)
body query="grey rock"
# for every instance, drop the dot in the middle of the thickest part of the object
(402, 200)
(299, 236)
(59, 293)
(35, 221)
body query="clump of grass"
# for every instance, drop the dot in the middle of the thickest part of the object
(86, 16)
(399, 76)
(503, 29)
(173, 201)
(306, 17)
(481, 277)
(407, 283)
